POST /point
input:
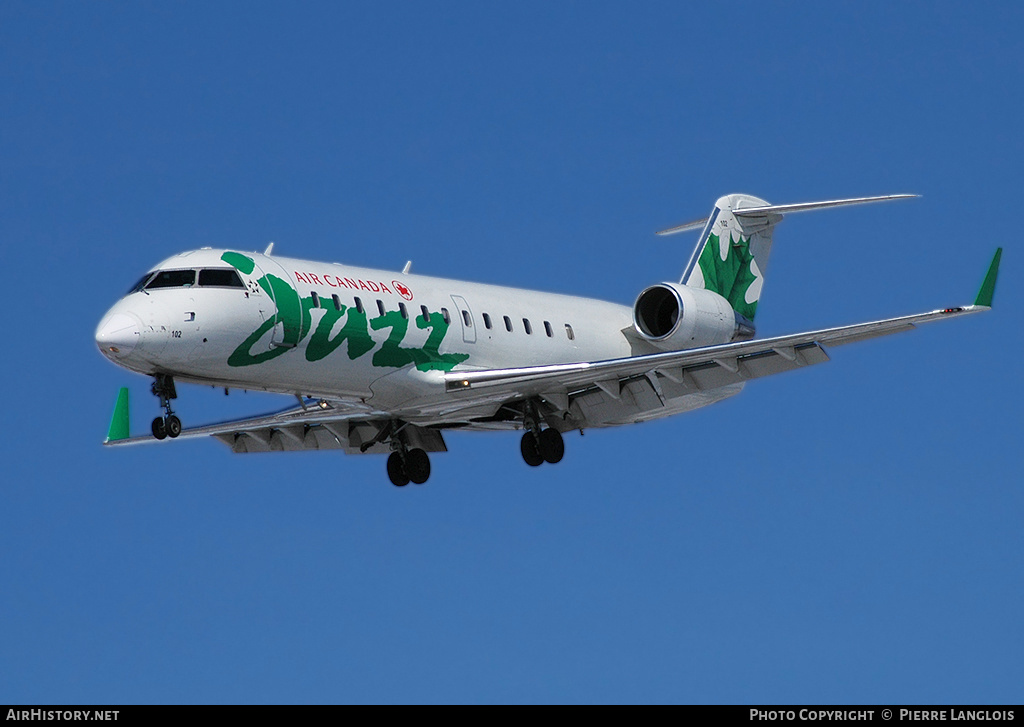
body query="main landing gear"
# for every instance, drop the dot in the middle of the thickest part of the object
(405, 465)
(167, 425)
(544, 447)
(540, 445)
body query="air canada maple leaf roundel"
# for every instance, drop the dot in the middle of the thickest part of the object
(403, 290)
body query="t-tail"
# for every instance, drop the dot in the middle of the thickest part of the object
(732, 252)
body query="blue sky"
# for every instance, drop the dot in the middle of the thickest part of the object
(848, 533)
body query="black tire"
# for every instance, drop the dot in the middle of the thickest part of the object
(173, 426)
(417, 464)
(531, 452)
(551, 446)
(159, 430)
(396, 470)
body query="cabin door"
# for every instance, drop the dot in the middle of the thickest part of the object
(287, 308)
(465, 316)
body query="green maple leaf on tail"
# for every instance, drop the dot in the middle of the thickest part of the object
(732, 277)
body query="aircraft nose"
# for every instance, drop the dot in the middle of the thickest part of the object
(118, 335)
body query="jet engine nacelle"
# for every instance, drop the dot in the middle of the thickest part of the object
(674, 316)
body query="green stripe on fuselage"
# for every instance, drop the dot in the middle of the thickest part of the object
(295, 313)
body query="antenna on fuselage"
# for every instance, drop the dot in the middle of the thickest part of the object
(407, 268)
(270, 249)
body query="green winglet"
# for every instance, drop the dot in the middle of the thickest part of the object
(119, 422)
(988, 288)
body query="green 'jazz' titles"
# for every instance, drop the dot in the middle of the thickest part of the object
(732, 277)
(295, 317)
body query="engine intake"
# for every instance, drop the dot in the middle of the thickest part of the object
(674, 316)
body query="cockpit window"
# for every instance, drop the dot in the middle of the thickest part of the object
(227, 278)
(141, 284)
(172, 279)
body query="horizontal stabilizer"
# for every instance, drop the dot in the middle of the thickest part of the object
(781, 209)
(685, 227)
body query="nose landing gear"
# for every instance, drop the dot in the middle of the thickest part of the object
(167, 425)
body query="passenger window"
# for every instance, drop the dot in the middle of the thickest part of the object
(425, 312)
(508, 324)
(380, 307)
(337, 301)
(447, 318)
(466, 319)
(172, 279)
(359, 305)
(405, 313)
(569, 333)
(487, 322)
(527, 326)
(316, 299)
(547, 329)
(220, 279)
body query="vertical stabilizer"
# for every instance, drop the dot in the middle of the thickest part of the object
(732, 253)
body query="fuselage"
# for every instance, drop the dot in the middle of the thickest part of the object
(246, 320)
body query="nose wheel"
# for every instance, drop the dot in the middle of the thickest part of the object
(168, 425)
(164, 427)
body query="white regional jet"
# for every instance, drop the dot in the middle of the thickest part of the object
(384, 363)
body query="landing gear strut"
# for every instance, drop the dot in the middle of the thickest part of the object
(167, 425)
(540, 445)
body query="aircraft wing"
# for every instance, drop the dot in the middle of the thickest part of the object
(353, 426)
(315, 424)
(696, 368)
